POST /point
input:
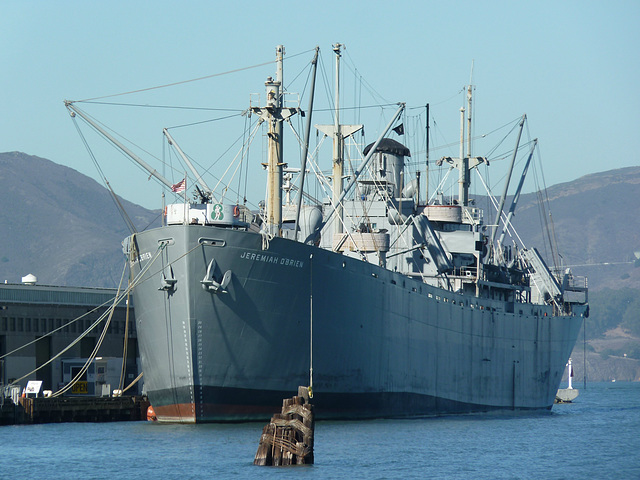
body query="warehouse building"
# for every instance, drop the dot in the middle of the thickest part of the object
(47, 319)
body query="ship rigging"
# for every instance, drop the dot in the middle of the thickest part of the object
(425, 308)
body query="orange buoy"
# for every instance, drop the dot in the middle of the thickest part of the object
(151, 414)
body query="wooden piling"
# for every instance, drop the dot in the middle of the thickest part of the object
(288, 438)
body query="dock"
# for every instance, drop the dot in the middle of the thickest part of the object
(33, 410)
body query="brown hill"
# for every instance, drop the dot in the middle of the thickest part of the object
(60, 225)
(596, 219)
(610, 358)
(65, 228)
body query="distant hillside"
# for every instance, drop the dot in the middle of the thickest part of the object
(60, 225)
(65, 228)
(596, 219)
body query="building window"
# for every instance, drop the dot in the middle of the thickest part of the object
(12, 324)
(21, 324)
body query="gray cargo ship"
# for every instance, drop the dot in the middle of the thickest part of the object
(384, 305)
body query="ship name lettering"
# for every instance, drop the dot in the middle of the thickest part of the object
(291, 262)
(260, 257)
(140, 258)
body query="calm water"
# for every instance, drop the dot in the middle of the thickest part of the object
(596, 437)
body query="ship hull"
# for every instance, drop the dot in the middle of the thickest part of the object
(383, 344)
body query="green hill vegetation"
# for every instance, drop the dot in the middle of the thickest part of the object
(612, 308)
(613, 326)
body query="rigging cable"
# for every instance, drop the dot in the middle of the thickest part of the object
(85, 333)
(201, 122)
(71, 322)
(114, 197)
(251, 137)
(545, 218)
(189, 81)
(94, 353)
(118, 298)
(136, 281)
(327, 90)
(541, 213)
(166, 107)
(126, 342)
(135, 380)
(115, 302)
(311, 326)
(368, 86)
(503, 217)
(123, 138)
(553, 239)
(243, 160)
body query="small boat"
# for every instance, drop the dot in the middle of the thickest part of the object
(569, 394)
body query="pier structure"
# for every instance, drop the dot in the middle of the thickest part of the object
(32, 410)
(44, 320)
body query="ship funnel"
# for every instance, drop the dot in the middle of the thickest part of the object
(388, 164)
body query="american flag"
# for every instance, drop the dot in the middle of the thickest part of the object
(180, 186)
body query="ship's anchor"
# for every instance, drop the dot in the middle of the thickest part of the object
(212, 285)
(168, 282)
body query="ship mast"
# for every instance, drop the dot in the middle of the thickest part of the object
(469, 103)
(338, 145)
(339, 133)
(275, 113)
(463, 179)
(464, 163)
(516, 196)
(364, 164)
(274, 149)
(503, 198)
(426, 202)
(307, 132)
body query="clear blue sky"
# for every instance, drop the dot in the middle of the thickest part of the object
(571, 66)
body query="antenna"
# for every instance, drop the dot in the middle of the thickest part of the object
(469, 94)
